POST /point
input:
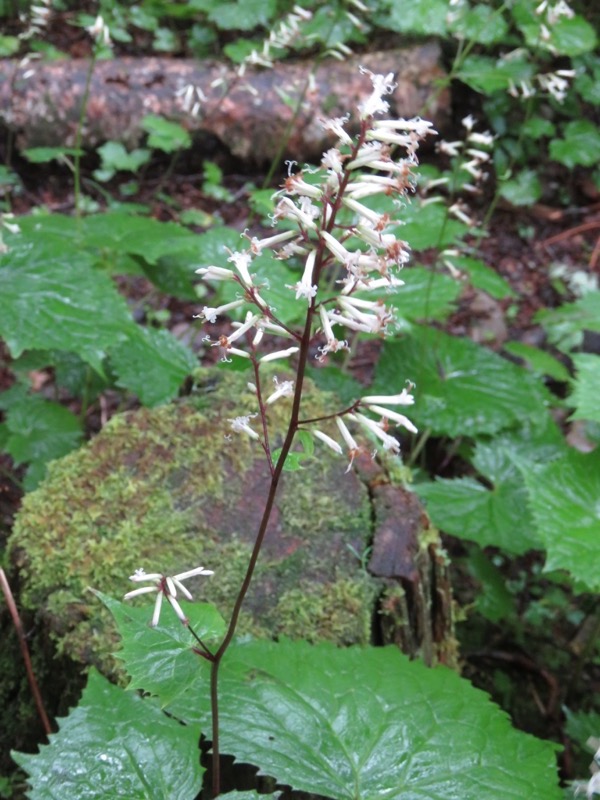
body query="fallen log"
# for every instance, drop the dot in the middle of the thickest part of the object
(40, 102)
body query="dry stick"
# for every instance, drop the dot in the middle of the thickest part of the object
(12, 607)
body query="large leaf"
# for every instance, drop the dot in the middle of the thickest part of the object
(115, 745)
(564, 497)
(370, 724)
(37, 431)
(162, 659)
(55, 301)
(587, 387)
(148, 238)
(420, 16)
(426, 295)
(494, 514)
(153, 364)
(581, 144)
(565, 324)
(461, 388)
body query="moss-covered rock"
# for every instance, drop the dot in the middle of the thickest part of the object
(168, 489)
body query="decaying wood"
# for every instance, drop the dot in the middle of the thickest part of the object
(40, 102)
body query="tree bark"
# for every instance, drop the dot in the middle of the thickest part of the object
(40, 102)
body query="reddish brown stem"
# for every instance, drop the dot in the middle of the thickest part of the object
(14, 613)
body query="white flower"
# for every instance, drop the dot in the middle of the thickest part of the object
(279, 354)
(242, 425)
(305, 287)
(241, 261)
(211, 314)
(216, 273)
(99, 31)
(402, 399)
(165, 586)
(389, 443)
(375, 104)
(328, 441)
(284, 389)
(399, 419)
(353, 448)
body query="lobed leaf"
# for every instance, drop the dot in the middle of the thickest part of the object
(153, 364)
(114, 744)
(370, 724)
(564, 500)
(461, 388)
(55, 301)
(586, 389)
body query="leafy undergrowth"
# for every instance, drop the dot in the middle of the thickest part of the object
(497, 325)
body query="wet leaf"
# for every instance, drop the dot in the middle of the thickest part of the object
(114, 744)
(586, 390)
(564, 499)
(153, 364)
(461, 388)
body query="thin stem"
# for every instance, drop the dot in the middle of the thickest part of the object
(14, 613)
(79, 133)
(321, 258)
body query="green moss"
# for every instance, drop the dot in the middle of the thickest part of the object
(340, 612)
(163, 489)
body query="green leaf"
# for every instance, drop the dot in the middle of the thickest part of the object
(538, 127)
(164, 135)
(164, 659)
(581, 727)
(494, 515)
(369, 723)
(539, 360)
(461, 388)
(429, 226)
(244, 15)
(580, 145)
(523, 190)
(9, 45)
(333, 379)
(174, 274)
(52, 301)
(115, 157)
(419, 16)
(586, 390)
(119, 232)
(114, 744)
(489, 75)
(294, 459)
(42, 155)
(564, 499)
(572, 37)
(38, 431)
(483, 277)
(565, 324)
(482, 24)
(153, 364)
(494, 602)
(426, 295)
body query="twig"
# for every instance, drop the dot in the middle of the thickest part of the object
(12, 607)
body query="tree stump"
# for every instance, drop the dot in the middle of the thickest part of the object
(166, 490)
(40, 103)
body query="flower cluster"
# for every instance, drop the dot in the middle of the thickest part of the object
(165, 586)
(341, 226)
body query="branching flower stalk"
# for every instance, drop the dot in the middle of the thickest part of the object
(351, 260)
(364, 257)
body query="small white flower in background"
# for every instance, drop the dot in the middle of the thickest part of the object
(191, 98)
(284, 389)
(165, 586)
(100, 31)
(242, 425)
